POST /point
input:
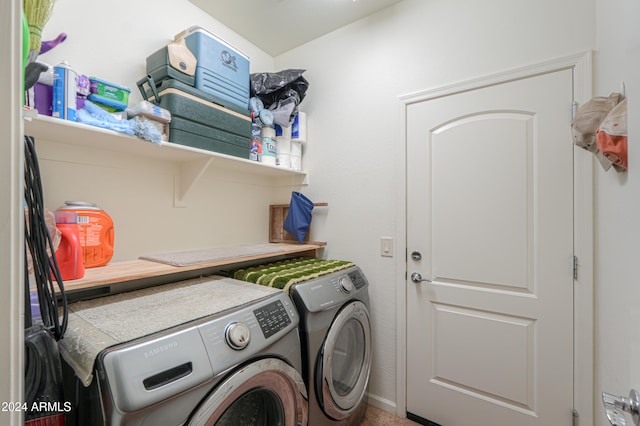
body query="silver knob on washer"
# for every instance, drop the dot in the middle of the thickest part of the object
(237, 335)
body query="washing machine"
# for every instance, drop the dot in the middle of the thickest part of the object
(335, 331)
(209, 351)
(332, 300)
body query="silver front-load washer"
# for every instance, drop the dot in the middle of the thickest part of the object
(336, 335)
(237, 365)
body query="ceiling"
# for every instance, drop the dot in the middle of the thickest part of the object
(277, 26)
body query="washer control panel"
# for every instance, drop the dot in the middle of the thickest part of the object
(272, 318)
(232, 338)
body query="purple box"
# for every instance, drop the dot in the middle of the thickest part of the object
(43, 98)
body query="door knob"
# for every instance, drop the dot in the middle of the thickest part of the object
(616, 406)
(416, 277)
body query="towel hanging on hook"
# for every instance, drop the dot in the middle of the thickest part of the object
(587, 120)
(611, 136)
(298, 218)
(277, 233)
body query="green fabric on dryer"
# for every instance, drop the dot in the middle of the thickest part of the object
(253, 273)
(285, 273)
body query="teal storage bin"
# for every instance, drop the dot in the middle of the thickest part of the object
(222, 70)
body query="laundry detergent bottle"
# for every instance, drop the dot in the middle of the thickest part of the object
(69, 252)
(96, 232)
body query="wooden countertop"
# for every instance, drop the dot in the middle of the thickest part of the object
(131, 274)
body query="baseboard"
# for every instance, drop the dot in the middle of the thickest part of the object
(384, 405)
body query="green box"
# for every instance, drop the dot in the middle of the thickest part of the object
(160, 69)
(150, 88)
(197, 121)
(189, 133)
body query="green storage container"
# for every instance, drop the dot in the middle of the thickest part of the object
(150, 88)
(159, 68)
(186, 132)
(199, 122)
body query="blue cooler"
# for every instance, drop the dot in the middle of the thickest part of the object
(222, 70)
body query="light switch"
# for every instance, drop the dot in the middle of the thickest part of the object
(386, 246)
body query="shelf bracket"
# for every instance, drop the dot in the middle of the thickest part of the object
(297, 180)
(190, 172)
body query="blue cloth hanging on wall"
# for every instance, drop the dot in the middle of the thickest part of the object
(298, 220)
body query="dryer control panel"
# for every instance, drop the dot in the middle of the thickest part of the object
(344, 284)
(331, 290)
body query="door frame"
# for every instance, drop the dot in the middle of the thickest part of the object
(12, 215)
(581, 65)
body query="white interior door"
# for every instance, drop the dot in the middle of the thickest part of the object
(490, 210)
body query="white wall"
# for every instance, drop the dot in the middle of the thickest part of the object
(113, 42)
(617, 234)
(356, 75)
(222, 208)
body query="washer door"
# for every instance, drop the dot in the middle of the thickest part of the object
(266, 392)
(346, 361)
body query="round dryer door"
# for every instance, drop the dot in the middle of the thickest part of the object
(267, 392)
(346, 361)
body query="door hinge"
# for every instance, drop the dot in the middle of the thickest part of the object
(576, 418)
(574, 110)
(575, 267)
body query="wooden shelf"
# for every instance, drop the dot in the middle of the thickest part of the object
(193, 161)
(127, 275)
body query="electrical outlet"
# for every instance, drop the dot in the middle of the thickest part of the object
(386, 246)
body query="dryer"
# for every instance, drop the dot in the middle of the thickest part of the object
(336, 335)
(221, 352)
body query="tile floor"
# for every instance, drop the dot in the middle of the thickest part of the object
(376, 417)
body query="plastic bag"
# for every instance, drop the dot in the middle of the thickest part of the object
(298, 220)
(281, 92)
